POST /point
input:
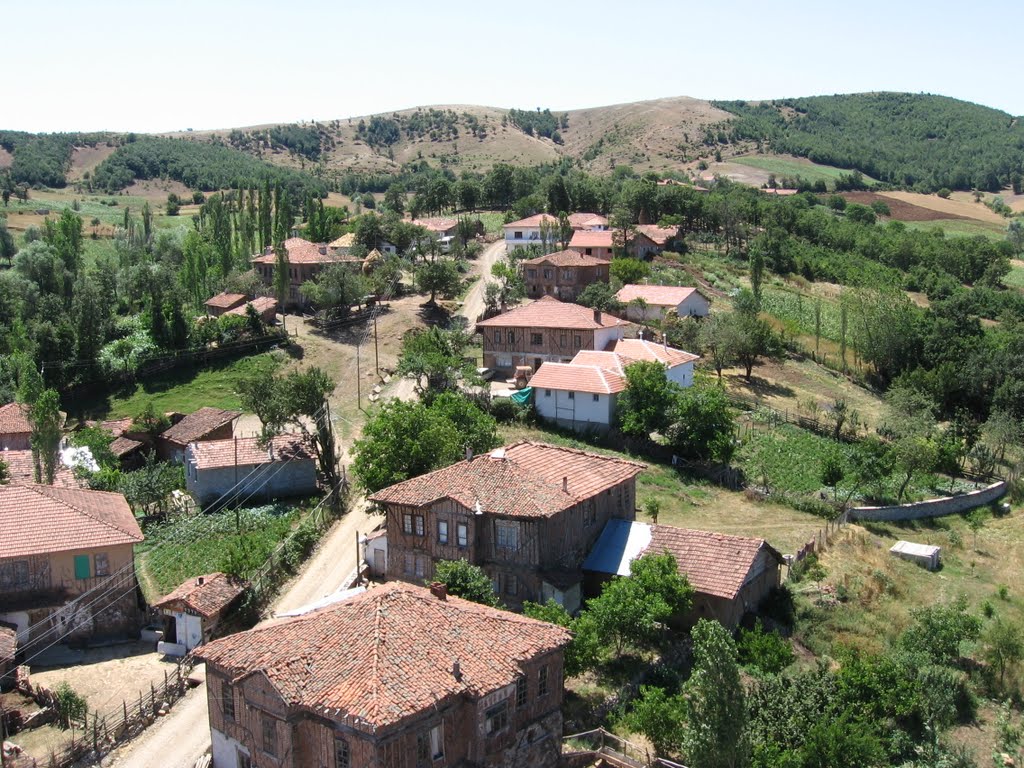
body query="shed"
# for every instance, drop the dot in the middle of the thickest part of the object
(193, 610)
(922, 554)
(375, 553)
(265, 306)
(205, 424)
(224, 302)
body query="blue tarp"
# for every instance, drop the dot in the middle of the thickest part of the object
(522, 396)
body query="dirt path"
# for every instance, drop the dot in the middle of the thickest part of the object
(473, 306)
(181, 738)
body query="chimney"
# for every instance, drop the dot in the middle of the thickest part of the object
(323, 250)
(565, 485)
(439, 590)
(456, 670)
(469, 453)
(597, 316)
(200, 581)
(664, 341)
(640, 334)
(270, 450)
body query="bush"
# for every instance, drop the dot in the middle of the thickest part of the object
(768, 652)
(71, 707)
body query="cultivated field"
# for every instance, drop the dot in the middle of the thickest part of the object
(755, 169)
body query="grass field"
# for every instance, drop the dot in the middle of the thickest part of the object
(791, 166)
(183, 390)
(1015, 279)
(961, 227)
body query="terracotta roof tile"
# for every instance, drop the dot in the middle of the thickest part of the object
(14, 419)
(583, 220)
(261, 304)
(302, 251)
(436, 224)
(549, 312)
(520, 480)
(225, 300)
(345, 241)
(577, 377)
(206, 595)
(22, 470)
(591, 238)
(657, 295)
(197, 425)
(602, 359)
(635, 350)
(377, 658)
(211, 454)
(658, 235)
(39, 519)
(567, 259)
(122, 446)
(532, 221)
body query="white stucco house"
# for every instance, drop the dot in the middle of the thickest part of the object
(678, 362)
(651, 302)
(192, 611)
(240, 467)
(525, 232)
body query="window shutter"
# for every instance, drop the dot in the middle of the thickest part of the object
(82, 567)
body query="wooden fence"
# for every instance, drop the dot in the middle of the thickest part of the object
(612, 749)
(820, 541)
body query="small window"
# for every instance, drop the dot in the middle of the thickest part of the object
(430, 745)
(531, 273)
(82, 565)
(497, 337)
(419, 524)
(520, 691)
(548, 274)
(506, 535)
(536, 339)
(542, 682)
(510, 584)
(597, 398)
(578, 342)
(342, 754)
(590, 251)
(517, 235)
(572, 395)
(511, 337)
(421, 566)
(406, 523)
(244, 761)
(496, 718)
(16, 576)
(269, 735)
(228, 695)
(442, 531)
(462, 532)
(547, 393)
(409, 564)
(101, 563)
(567, 274)
(563, 339)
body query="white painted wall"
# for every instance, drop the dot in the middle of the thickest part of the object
(604, 335)
(528, 236)
(225, 750)
(681, 374)
(694, 304)
(581, 409)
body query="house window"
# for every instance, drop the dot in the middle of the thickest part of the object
(462, 534)
(82, 566)
(578, 342)
(342, 754)
(228, 704)
(542, 682)
(418, 520)
(563, 339)
(509, 584)
(567, 274)
(408, 564)
(101, 563)
(590, 251)
(520, 691)
(496, 718)
(517, 235)
(511, 337)
(269, 735)
(531, 273)
(597, 398)
(547, 393)
(497, 337)
(16, 576)
(406, 523)
(430, 745)
(442, 531)
(590, 513)
(412, 524)
(536, 339)
(506, 535)
(244, 761)
(421, 567)
(548, 274)
(572, 395)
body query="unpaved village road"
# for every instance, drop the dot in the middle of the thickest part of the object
(473, 306)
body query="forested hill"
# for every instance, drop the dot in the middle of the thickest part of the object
(912, 140)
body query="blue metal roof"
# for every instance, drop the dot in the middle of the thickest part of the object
(620, 542)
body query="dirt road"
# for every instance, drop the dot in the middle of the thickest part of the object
(473, 306)
(177, 741)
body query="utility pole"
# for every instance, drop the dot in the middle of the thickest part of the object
(376, 354)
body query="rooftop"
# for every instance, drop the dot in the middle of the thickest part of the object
(8, 642)
(525, 479)
(261, 304)
(226, 300)
(302, 251)
(567, 259)
(657, 295)
(14, 419)
(591, 238)
(583, 220)
(577, 377)
(549, 312)
(205, 595)
(39, 519)
(644, 350)
(246, 451)
(436, 224)
(533, 221)
(198, 425)
(21, 468)
(658, 235)
(382, 656)
(345, 241)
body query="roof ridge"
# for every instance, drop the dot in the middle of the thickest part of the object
(578, 451)
(42, 490)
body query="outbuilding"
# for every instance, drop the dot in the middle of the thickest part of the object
(193, 610)
(926, 555)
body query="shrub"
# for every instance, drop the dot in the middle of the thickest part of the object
(768, 652)
(71, 706)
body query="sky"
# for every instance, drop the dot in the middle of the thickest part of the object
(157, 65)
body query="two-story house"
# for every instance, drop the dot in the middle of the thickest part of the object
(399, 675)
(545, 330)
(527, 514)
(67, 563)
(563, 275)
(526, 232)
(594, 242)
(305, 260)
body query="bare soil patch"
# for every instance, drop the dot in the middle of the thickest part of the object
(156, 190)
(902, 210)
(953, 208)
(86, 159)
(6, 158)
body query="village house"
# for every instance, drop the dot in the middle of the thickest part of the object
(265, 306)
(223, 302)
(527, 514)
(650, 240)
(21, 470)
(585, 220)
(652, 302)
(563, 275)
(398, 675)
(439, 227)
(284, 467)
(67, 563)
(545, 330)
(305, 260)
(193, 610)
(526, 232)
(342, 246)
(730, 575)
(583, 394)
(593, 242)
(15, 429)
(205, 424)
(128, 446)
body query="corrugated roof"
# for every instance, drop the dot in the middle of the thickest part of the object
(656, 295)
(620, 543)
(574, 377)
(387, 654)
(549, 312)
(39, 519)
(198, 425)
(206, 595)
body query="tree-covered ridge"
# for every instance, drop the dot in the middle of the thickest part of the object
(44, 159)
(914, 140)
(199, 165)
(539, 123)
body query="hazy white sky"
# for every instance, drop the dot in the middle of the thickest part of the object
(156, 65)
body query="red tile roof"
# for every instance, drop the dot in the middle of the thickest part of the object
(116, 427)
(714, 563)
(377, 658)
(121, 446)
(574, 377)
(435, 224)
(22, 470)
(345, 241)
(206, 595)
(225, 300)
(532, 221)
(39, 519)
(567, 259)
(198, 425)
(211, 454)
(658, 235)
(261, 304)
(602, 359)
(303, 252)
(549, 312)
(584, 220)
(591, 238)
(635, 350)
(656, 295)
(14, 419)
(520, 480)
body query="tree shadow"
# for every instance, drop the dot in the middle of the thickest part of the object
(765, 388)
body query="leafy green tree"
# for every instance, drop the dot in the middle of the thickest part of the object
(465, 580)
(511, 287)
(714, 338)
(717, 730)
(912, 456)
(660, 717)
(148, 489)
(628, 271)
(1003, 646)
(440, 276)
(646, 404)
(338, 287)
(437, 358)
(842, 743)
(939, 631)
(7, 247)
(47, 421)
(281, 281)
(833, 470)
(97, 440)
(768, 652)
(702, 424)
(584, 651)
(748, 339)
(477, 429)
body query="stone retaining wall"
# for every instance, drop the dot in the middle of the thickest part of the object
(950, 505)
